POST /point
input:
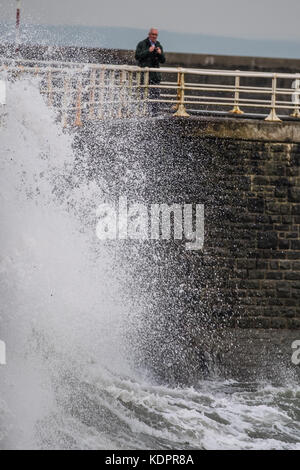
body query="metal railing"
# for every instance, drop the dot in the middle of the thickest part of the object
(83, 92)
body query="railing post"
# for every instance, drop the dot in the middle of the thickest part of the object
(49, 87)
(21, 68)
(176, 106)
(236, 109)
(130, 93)
(181, 111)
(101, 92)
(295, 98)
(78, 121)
(64, 117)
(146, 88)
(112, 91)
(122, 92)
(273, 116)
(92, 94)
(138, 90)
(130, 82)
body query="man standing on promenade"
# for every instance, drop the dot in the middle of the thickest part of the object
(149, 53)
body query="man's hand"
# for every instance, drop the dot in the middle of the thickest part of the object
(151, 49)
(158, 50)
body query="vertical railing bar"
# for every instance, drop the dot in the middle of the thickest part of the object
(122, 92)
(236, 109)
(65, 101)
(273, 116)
(101, 92)
(78, 121)
(92, 94)
(138, 91)
(146, 89)
(295, 99)
(176, 106)
(181, 111)
(49, 88)
(112, 92)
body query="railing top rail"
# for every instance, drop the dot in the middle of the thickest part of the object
(67, 66)
(57, 65)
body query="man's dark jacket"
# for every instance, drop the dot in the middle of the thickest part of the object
(150, 59)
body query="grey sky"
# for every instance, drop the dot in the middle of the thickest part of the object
(265, 19)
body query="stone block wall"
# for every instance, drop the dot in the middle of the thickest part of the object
(267, 275)
(260, 227)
